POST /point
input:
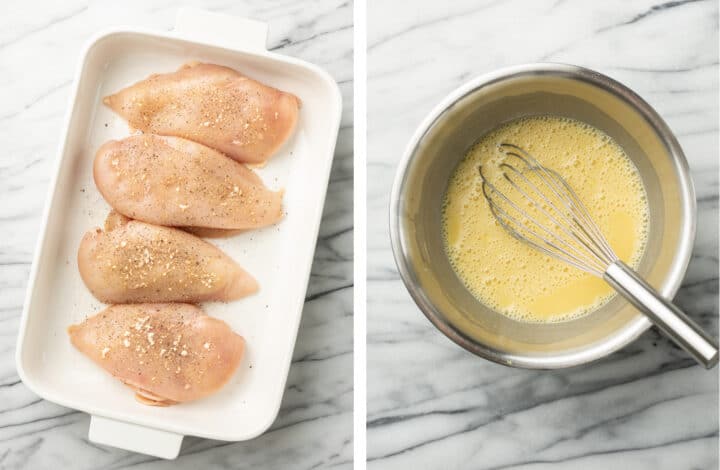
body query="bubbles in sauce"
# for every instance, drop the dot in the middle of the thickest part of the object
(515, 279)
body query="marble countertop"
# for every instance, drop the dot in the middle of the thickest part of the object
(40, 46)
(433, 405)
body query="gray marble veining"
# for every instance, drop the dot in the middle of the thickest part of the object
(40, 45)
(433, 405)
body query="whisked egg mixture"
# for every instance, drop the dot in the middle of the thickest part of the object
(513, 278)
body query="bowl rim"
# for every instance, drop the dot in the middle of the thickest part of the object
(670, 285)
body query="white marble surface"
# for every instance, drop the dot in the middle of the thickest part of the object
(433, 405)
(40, 45)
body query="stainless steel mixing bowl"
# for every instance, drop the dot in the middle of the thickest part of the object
(443, 139)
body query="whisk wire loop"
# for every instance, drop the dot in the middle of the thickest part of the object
(570, 221)
(562, 190)
(531, 237)
(566, 232)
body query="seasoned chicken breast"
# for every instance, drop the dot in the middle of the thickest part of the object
(135, 262)
(168, 353)
(213, 105)
(177, 182)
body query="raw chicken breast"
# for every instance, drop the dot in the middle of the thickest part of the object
(212, 232)
(168, 353)
(135, 262)
(213, 105)
(177, 182)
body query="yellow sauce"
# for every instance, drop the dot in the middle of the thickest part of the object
(513, 278)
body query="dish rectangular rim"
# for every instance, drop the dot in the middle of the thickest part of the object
(179, 428)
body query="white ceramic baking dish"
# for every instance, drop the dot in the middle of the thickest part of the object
(280, 257)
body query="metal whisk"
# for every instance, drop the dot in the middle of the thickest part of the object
(540, 209)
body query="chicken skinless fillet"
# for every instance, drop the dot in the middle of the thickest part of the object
(213, 105)
(135, 262)
(177, 182)
(168, 353)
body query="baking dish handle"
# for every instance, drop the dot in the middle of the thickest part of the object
(222, 30)
(133, 437)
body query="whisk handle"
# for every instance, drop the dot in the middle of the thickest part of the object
(670, 319)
